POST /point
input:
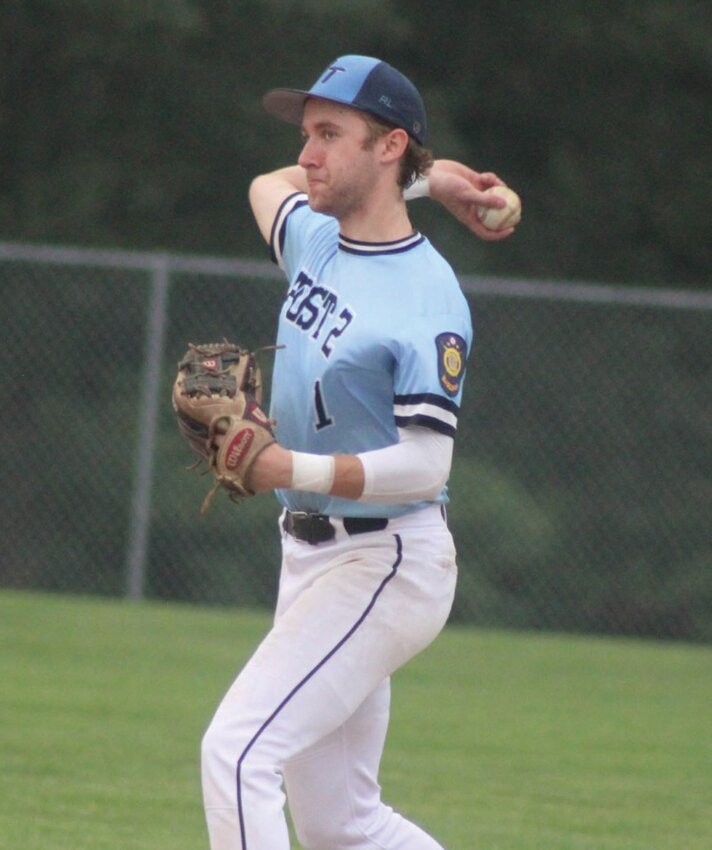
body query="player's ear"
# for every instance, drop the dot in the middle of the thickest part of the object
(394, 144)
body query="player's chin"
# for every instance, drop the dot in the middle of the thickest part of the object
(318, 202)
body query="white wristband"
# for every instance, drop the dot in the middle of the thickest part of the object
(314, 473)
(419, 189)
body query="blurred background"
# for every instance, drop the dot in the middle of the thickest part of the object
(129, 132)
(139, 124)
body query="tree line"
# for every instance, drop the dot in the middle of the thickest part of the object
(128, 124)
(140, 124)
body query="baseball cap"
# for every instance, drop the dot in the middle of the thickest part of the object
(363, 83)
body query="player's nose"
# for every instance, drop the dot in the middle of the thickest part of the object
(309, 154)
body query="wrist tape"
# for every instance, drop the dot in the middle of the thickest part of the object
(314, 473)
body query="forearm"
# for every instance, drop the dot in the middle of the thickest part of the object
(290, 178)
(268, 191)
(462, 191)
(416, 468)
(278, 468)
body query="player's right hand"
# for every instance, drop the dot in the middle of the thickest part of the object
(461, 190)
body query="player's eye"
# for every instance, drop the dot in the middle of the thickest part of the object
(325, 134)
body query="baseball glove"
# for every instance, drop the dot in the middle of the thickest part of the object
(216, 396)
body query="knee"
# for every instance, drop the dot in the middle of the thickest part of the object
(216, 755)
(229, 749)
(320, 835)
(223, 744)
(345, 829)
(315, 837)
(210, 746)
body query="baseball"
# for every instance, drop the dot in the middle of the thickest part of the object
(498, 219)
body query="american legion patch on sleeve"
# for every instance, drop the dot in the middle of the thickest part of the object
(452, 351)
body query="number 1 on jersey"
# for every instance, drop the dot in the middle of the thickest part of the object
(323, 420)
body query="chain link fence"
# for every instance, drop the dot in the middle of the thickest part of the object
(582, 479)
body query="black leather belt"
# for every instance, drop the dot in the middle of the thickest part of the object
(318, 528)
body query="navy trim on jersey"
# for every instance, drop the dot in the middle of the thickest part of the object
(279, 225)
(426, 422)
(295, 690)
(426, 409)
(370, 249)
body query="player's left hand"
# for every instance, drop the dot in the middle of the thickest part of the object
(461, 190)
(216, 396)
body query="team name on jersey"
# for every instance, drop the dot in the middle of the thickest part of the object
(315, 310)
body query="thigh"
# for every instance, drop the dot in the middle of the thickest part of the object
(368, 611)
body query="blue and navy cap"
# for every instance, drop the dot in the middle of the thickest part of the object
(363, 83)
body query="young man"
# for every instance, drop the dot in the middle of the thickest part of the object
(366, 394)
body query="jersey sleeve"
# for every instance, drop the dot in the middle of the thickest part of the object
(295, 227)
(430, 372)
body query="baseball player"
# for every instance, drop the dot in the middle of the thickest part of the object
(366, 394)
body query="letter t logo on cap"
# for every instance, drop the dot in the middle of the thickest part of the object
(333, 69)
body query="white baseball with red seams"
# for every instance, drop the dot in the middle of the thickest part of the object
(495, 218)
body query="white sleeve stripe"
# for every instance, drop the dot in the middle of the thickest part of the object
(276, 239)
(423, 409)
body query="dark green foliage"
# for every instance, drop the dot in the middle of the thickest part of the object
(581, 485)
(140, 124)
(580, 488)
(582, 478)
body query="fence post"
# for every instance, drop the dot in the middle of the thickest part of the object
(147, 429)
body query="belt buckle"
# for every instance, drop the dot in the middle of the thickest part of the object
(312, 528)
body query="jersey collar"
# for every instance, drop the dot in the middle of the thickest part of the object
(370, 249)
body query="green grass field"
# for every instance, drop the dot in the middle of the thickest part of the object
(499, 741)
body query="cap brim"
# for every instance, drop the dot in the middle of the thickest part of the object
(286, 104)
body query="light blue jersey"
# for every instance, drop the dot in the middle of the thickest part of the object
(375, 337)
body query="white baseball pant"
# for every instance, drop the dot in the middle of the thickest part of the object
(310, 709)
